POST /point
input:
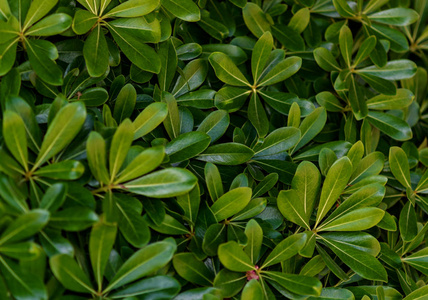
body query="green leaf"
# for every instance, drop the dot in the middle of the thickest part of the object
(360, 262)
(187, 145)
(331, 264)
(186, 10)
(101, 242)
(227, 154)
(335, 182)
(254, 233)
(69, 274)
(73, 219)
(145, 162)
(51, 25)
(133, 8)
(288, 37)
(393, 70)
(94, 96)
(150, 118)
(96, 154)
(390, 125)
(395, 16)
(346, 42)
(399, 165)
(260, 54)
(255, 19)
(300, 20)
(356, 98)
(54, 197)
(310, 127)
(231, 203)
(64, 170)
(299, 284)
(408, 222)
(285, 249)
(230, 283)
(283, 70)
(161, 184)
(120, 144)
(62, 130)
(356, 220)
(403, 98)
(125, 103)
(366, 48)
(343, 8)
(418, 260)
(43, 64)
(215, 124)
(83, 21)
(192, 76)
(368, 195)
(226, 70)
(21, 283)
(142, 55)
(143, 262)
(234, 258)
(158, 287)
(257, 115)
(25, 226)
(265, 185)
(358, 240)
(418, 294)
(213, 181)
(96, 53)
(38, 9)
(190, 203)
(14, 135)
(292, 210)
(329, 102)
(131, 224)
(172, 121)
(252, 291)
(325, 60)
(192, 269)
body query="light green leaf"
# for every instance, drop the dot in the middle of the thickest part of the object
(255, 19)
(283, 70)
(231, 203)
(335, 182)
(186, 10)
(62, 130)
(51, 25)
(226, 70)
(69, 273)
(133, 8)
(234, 258)
(399, 165)
(150, 118)
(96, 154)
(398, 16)
(285, 249)
(120, 144)
(38, 9)
(356, 220)
(143, 262)
(227, 154)
(260, 54)
(101, 242)
(14, 135)
(162, 184)
(408, 222)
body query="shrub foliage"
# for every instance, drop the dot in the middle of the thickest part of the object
(213, 149)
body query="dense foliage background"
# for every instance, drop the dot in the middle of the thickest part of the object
(173, 149)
